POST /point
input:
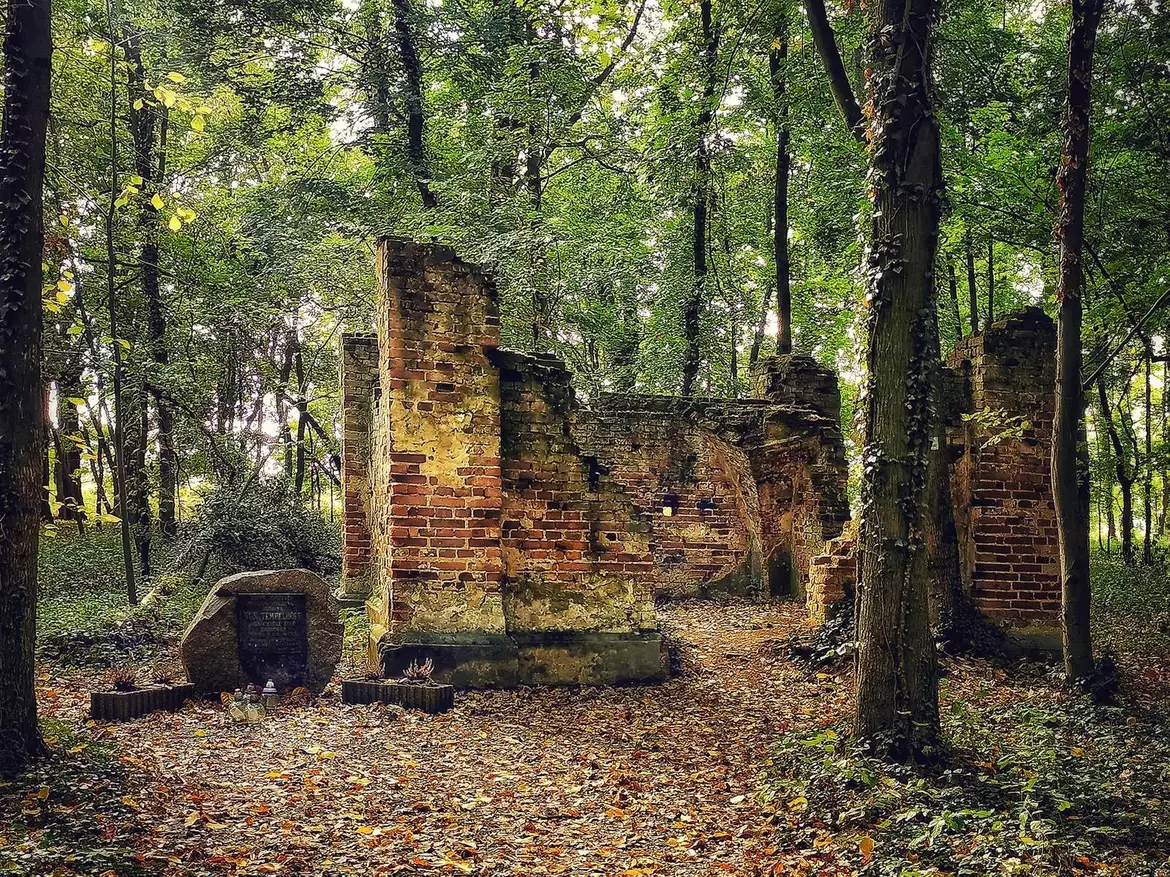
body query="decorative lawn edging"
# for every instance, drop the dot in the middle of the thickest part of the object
(433, 699)
(118, 706)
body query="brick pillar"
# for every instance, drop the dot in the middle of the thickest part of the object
(359, 377)
(436, 460)
(1001, 481)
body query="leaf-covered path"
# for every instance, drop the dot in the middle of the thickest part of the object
(635, 780)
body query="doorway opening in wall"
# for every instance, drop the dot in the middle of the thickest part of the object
(781, 576)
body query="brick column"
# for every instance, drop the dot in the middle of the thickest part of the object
(359, 377)
(436, 466)
(1001, 481)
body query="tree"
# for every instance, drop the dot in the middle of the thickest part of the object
(897, 685)
(700, 199)
(27, 64)
(1070, 485)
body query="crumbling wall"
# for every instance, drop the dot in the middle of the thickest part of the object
(690, 488)
(359, 378)
(575, 547)
(435, 448)
(1001, 471)
(510, 535)
(753, 488)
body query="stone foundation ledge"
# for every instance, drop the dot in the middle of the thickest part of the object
(475, 660)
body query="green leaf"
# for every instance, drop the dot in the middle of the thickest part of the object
(197, 123)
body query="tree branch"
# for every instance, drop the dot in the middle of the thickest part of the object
(823, 39)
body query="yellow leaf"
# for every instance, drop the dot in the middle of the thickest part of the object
(175, 224)
(365, 829)
(157, 202)
(176, 77)
(42, 793)
(216, 825)
(798, 803)
(200, 733)
(866, 846)
(198, 123)
(327, 755)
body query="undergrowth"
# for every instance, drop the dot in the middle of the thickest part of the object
(69, 814)
(1036, 782)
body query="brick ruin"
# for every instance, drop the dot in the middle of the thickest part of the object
(500, 528)
(997, 403)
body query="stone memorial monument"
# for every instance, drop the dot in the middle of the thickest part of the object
(282, 625)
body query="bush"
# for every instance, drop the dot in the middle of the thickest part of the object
(266, 526)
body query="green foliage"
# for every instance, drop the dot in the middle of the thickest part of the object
(82, 616)
(266, 526)
(1035, 783)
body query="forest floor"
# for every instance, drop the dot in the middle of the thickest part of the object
(735, 766)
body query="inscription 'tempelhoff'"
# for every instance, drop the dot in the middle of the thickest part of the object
(272, 632)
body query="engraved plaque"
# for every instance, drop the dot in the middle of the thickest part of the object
(272, 631)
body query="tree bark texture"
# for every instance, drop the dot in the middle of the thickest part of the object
(1070, 486)
(700, 191)
(406, 32)
(897, 684)
(777, 62)
(27, 64)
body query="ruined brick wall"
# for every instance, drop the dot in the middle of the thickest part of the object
(755, 488)
(1001, 482)
(359, 378)
(514, 536)
(696, 493)
(435, 446)
(575, 547)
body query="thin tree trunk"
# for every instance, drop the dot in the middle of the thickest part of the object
(27, 64)
(972, 289)
(1162, 432)
(1126, 474)
(953, 283)
(990, 281)
(1070, 487)
(777, 68)
(46, 500)
(112, 306)
(302, 414)
(897, 682)
(1148, 468)
(404, 28)
(700, 190)
(68, 452)
(826, 46)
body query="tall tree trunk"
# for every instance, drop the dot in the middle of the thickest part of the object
(1148, 468)
(990, 281)
(112, 307)
(404, 28)
(1162, 432)
(1070, 487)
(953, 285)
(150, 165)
(46, 499)
(777, 64)
(700, 190)
(972, 289)
(27, 64)
(1126, 474)
(897, 682)
(302, 406)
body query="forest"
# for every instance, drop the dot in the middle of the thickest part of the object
(670, 199)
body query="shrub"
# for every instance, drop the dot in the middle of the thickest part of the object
(266, 526)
